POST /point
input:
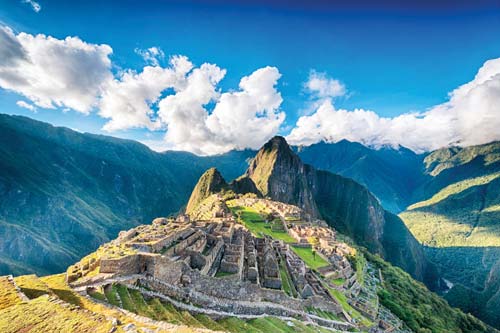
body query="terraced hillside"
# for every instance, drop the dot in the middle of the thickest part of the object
(49, 305)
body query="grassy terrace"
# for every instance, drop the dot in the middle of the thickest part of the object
(338, 282)
(286, 281)
(342, 299)
(35, 313)
(154, 308)
(32, 286)
(8, 293)
(322, 313)
(256, 224)
(311, 260)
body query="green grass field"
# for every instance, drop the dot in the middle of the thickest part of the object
(311, 260)
(338, 282)
(256, 224)
(342, 299)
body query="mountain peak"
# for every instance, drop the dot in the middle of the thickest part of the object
(209, 183)
(278, 172)
(277, 143)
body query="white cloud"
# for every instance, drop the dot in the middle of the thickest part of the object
(23, 104)
(128, 100)
(54, 73)
(34, 5)
(242, 119)
(470, 117)
(321, 86)
(152, 56)
(249, 117)
(181, 100)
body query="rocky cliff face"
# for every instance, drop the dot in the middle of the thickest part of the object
(346, 205)
(279, 173)
(373, 168)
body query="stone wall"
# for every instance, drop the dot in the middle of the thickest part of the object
(130, 264)
(211, 257)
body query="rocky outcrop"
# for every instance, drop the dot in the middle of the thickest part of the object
(209, 183)
(279, 174)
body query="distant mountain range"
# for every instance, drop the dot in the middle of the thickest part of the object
(63, 193)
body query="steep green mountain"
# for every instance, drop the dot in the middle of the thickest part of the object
(390, 174)
(458, 217)
(279, 173)
(421, 310)
(63, 193)
(451, 165)
(346, 205)
(209, 183)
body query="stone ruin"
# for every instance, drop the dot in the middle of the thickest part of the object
(219, 258)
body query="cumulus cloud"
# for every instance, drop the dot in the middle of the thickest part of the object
(54, 73)
(181, 100)
(23, 104)
(127, 101)
(321, 86)
(471, 116)
(34, 5)
(249, 117)
(152, 55)
(241, 119)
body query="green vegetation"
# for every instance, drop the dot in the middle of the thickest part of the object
(422, 310)
(312, 260)
(462, 214)
(112, 295)
(127, 302)
(98, 294)
(256, 224)
(237, 325)
(32, 317)
(32, 286)
(140, 304)
(8, 293)
(342, 299)
(286, 281)
(338, 281)
(223, 274)
(322, 313)
(208, 322)
(454, 189)
(359, 265)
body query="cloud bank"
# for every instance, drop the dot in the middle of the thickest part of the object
(184, 102)
(471, 116)
(54, 73)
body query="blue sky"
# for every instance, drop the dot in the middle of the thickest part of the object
(392, 60)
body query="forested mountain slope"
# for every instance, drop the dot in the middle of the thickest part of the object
(63, 193)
